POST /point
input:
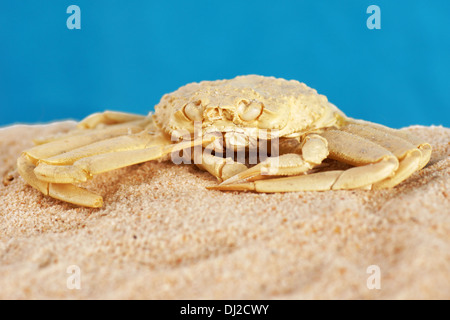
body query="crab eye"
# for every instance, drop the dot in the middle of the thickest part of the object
(194, 111)
(249, 110)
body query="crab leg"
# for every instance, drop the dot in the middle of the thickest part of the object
(83, 138)
(221, 168)
(60, 169)
(82, 131)
(409, 156)
(64, 192)
(374, 163)
(87, 167)
(424, 147)
(82, 169)
(138, 140)
(297, 157)
(108, 118)
(68, 192)
(310, 182)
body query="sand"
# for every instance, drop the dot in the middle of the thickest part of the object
(162, 235)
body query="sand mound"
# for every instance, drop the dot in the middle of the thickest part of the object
(161, 234)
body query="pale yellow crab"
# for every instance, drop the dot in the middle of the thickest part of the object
(231, 114)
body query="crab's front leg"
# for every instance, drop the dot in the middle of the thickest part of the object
(81, 164)
(64, 192)
(53, 176)
(221, 168)
(373, 163)
(210, 157)
(297, 157)
(55, 146)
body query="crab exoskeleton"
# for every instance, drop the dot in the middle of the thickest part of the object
(236, 115)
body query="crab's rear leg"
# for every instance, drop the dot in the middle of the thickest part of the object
(373, 163)
(108, 118)
(70, 142)
(90, 139)
(96, 123)
(411, 156)
(424, 147)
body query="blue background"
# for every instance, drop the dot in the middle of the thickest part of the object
(129, 53)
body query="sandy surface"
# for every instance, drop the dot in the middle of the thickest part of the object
(161, 234)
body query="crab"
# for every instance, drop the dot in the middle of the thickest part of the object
(223, 119)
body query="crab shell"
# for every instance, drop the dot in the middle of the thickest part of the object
(252, 104)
